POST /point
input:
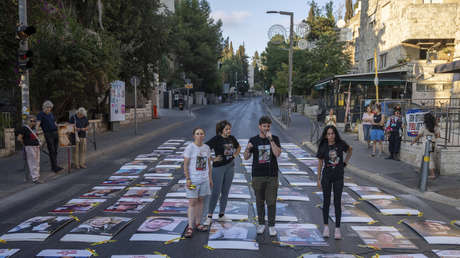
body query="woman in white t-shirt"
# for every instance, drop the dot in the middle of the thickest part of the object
(331, 119)
(368, 118)
(198, 175)
(430, 129)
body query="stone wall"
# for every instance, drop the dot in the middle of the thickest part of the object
(143, 114)
(10, 143)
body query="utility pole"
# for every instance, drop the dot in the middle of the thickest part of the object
(24, 79)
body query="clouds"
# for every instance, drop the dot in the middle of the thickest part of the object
(232, 19)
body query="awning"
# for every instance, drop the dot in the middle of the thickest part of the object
(391, 78)
(452, 67)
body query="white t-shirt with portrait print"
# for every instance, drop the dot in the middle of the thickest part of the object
(198, 167)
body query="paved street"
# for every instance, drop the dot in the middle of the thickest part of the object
(38, 200)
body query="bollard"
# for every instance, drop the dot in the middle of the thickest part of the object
(425, 164)
(155, 112)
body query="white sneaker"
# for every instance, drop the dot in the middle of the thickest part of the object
(208, 221)
(224, 218)
(260, 229)
(337, 234)
(326, 231)
(272, 231)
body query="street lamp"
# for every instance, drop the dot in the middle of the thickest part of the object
(291, 45)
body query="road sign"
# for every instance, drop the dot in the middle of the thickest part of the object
(134, 80)
(272, 90)
(189, 86)
(376, 81)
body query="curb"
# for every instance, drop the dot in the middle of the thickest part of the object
(274, 117)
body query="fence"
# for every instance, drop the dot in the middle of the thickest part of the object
(5, 122)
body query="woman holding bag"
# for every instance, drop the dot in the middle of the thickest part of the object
(81, 127)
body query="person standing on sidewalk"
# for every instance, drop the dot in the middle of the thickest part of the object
(46, 120)
(81, 127)
(29, 138)
(266, 148)
(394, 128)
(331, 119)
(226, 149)
(368, 118)
(377, 134)
(331, 174)
(198, 175)
(430, 129)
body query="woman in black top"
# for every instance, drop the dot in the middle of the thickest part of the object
(226, 149)
(330, 174)
(377, 134)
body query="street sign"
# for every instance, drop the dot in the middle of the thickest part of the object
(272, 90)
(376, 81)
(189, 86)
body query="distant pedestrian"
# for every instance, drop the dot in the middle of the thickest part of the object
(29, 138)
(226, 149)
(265, 148)
(81, 123)
(331, 174)
(46, 120)
(394, 127)
(331, 119)
(377, 133)
(430, 129)
(368, 118)
(198, 175)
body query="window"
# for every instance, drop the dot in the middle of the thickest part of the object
(432, 1)
(429, 87)
(370, 65)
(383, 61)
(423, 53)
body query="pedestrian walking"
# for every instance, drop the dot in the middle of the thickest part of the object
(331, 119)
(226, 149)
(377, 134)
(29, 138)
(198, 175)
(46, 120)
(81, 123)
(265, 148)
(430, 129)
(368, 118)
(331, 174)
(394, 127)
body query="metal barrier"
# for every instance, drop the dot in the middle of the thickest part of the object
(5, 122)
(316, 130)
(284, 114)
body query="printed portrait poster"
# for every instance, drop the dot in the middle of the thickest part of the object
(228, 150)
(78, 206)
(296, 180)
(239, 192)
(64, 132)
(401, 256)
(383, 237)
(300, 234)
(233, 235)
(264, 154)
(239, 178)
(346, 198)
(163, 152)
(177, 190)
(160, 228)
(64, 253)
(447, 253)
(103, 192)
(97, 229)
(36, 228)
(8, 252)
(169, 164)
(173, 206)
(291, 194)
(167, 147)
(155, 181)
(370, 192)
(128, 172)
(292, 171)
(141, 192)
(392, 207)
(129, 205)
(414, 119)
(328, 256)
(310, 162)
(117, 101)
(201, 163)
(174, 157)
(351, 214)
(284, 212)
(235, 210)
(157, 172)
(120, 180)
(435, 232)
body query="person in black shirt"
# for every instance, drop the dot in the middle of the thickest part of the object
(81, 127)
(29, 138)
(264, 148)
(226, 148)
(377, 134)
(330, 174)
(394, 129)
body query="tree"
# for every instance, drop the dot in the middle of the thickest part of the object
(348, 10)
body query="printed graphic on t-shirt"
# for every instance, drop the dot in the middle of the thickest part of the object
(334, 159)
(201, 162)
(228, 150)
(264, 154)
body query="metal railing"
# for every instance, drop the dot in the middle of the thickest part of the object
(5, 122)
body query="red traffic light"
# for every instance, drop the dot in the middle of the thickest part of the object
(24, 59)
(23, 32)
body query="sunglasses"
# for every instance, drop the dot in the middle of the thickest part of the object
(33, 121)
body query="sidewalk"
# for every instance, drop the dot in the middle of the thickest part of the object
(12, 168)
(394, 174)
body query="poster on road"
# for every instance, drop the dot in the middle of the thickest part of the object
(351, 214)
(392, 207)
(8, 252)
(160, 228)
(173, 206)
(447, 253)
(117, 101)
(233, 235)
(142, 192)
(370, 192)
(36, 228)
(155, 181)
(292, 171)
(327, 256)
(292, 194)
(103, 192)
(296, 180)
(177, 190)
(64, 253)
(239, 192)
(120, 180)
(97, 229)
(300, 234)
(435, 232)
(383, 237)
(235, 210)
(400, 256)
(240, 178)
(346, 198)
(284, 212)
(129, 205)
(78, 206)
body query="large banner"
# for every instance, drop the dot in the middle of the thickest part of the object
(414, 118)
(117, 101)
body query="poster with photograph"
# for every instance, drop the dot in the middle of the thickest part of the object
(167, 147)
(348, 182)
(235, 210)
(392, 207)
(239, 178)
(400, 256)
(239, 192)
(165, 172)
(120, 180)
(64, 253)
(5, 253)
(155, 181)
(296, 180)
(65, 132)
(284, 212)
(97, 229)
(173, 206)
(346, 198)
(160, 228)
(286, 164)
(135, 165)
(181, 141)
(37, 228)
(292, 194)
(370, 193)
(117, 101)
(233, 235)
(310, 162)
(150, 157)
(128, 172)
(435, 232)
(447, 253)
(300, 234)
(103, 192)
(414, 119)
(78, 206)
(129, 205)
(327, 256)
(177, 190)
(169, 164)
(142, 192)
(351, 214)
(163, 152)
(292, 171)
(383, 237)
(174, 157)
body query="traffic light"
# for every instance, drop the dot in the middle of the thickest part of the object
(24, 60)
(23, 32)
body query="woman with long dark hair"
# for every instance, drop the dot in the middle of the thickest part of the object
(430, 129)
(330, 174)
(377, 134)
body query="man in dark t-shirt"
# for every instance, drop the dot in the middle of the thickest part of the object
(264, 148)
(46, 120)
(29, 138)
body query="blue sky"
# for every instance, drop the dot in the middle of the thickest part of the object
(246, 20)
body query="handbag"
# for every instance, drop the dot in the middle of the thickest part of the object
(74, 139)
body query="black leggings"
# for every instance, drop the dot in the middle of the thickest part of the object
(328, 184)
